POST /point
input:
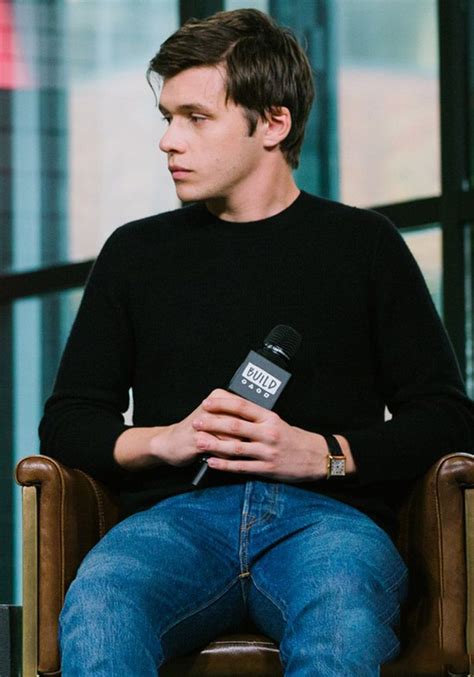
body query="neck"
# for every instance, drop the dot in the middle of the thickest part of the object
(267, 197)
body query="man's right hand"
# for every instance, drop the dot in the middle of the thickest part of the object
(140, 448)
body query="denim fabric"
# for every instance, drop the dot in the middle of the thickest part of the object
(314, 574)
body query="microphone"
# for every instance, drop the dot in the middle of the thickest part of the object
(263, 375)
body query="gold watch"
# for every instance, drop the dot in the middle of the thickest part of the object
(336, 466)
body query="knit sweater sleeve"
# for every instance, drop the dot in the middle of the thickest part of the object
(83, 417)
(417, 372)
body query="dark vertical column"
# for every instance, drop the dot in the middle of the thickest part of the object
(470, 92)
(6, 454)
(6, 216)
(53, 130)
(453, 41)
(315, 26)
(6, 352)
(470, 244)
(10, 640)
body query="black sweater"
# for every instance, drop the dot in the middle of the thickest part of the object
(175, 301)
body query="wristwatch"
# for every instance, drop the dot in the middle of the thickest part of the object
(336, 460)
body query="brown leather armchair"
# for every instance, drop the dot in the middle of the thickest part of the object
(66, 512)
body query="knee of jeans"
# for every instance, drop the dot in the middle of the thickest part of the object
(371, 631)
(87, 598)
(367, 564)
(356, 587)
(100, 582)
(109, 560)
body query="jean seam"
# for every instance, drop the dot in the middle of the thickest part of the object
(281, 608)
(244, 528)
(270, 512)
(397, 582)
(201, 607)
(279, 605)
(390, 618)
(393, 653)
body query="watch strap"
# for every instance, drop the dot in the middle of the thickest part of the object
(334, 447)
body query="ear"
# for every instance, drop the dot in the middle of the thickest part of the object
(278, 125)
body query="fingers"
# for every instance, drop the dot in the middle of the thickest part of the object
(220, 392)
(239, 436)
(229, 447)
(224, 402)
(249, 467)
(224, 425)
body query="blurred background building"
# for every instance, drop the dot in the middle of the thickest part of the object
(391, 129)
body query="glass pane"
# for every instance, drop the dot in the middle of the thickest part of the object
(373, 135)
(39, 328)
(262, 5)
(388, 100)
(79, 123)
(426, 247)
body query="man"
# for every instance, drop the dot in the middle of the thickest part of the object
(172, 307)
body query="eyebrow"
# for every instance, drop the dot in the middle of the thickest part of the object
(187, 108)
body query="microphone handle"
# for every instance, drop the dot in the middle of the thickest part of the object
(203, 468)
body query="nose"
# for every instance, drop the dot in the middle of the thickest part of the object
(172, 141)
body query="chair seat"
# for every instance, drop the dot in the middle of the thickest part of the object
(246, 655)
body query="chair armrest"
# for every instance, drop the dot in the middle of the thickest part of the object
(73, 511)
(432, 541)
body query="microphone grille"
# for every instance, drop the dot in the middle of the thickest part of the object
(287, 339)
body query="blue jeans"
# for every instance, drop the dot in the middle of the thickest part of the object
(317, 576)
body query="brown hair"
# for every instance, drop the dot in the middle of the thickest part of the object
(265, 65)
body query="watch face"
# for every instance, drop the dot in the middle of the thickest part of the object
(338, 466)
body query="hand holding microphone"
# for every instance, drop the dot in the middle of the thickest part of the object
(263, 375)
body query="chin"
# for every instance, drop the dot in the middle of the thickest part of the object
(192, 194)
(187, 193)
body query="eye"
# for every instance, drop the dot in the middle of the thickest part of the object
(166, 118)
(195, 118)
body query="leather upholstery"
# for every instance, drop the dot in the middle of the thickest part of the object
(432, 541)
(249, 655)
(75, 511)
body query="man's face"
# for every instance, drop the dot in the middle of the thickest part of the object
(210, 153)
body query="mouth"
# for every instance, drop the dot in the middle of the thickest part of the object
(179, 172)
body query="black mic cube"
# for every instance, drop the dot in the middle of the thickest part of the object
(259, 380)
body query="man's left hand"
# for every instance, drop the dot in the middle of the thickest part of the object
(243, 437)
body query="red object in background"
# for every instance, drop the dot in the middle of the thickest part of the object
(13, 74)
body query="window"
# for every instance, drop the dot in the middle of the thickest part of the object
(79, 157)
(388, 100)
